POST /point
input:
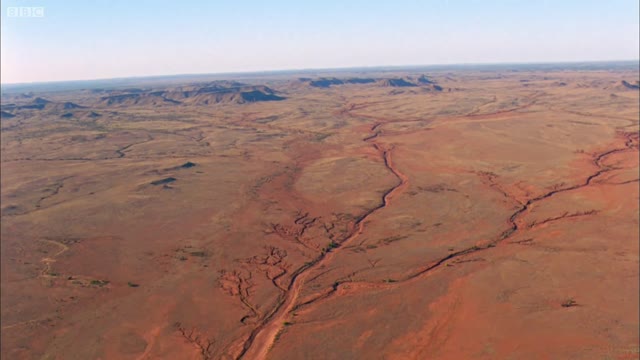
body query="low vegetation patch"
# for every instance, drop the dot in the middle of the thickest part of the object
(99, 283)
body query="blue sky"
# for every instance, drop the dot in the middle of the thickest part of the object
(82, 39)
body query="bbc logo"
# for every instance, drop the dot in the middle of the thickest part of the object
(25, 11)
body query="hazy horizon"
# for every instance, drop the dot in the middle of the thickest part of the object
(489, 66)
(77, 41)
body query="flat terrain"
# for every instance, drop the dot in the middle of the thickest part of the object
(385, 215)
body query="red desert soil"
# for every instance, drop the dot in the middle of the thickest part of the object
(475, 215)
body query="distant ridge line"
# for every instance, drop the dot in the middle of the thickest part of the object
(170, 78)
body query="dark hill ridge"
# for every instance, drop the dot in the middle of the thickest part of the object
(218, 93)
(120, 99)
(628, 85)
(80, 114)
(133, 90)
(69, 105)
(326, 82)
(6, 115)
(432, 87)
(37, 104)
(154, 98)
(40, 101)
(43, 104)
(31, 107)
(397, 82)
(360, 81)
(424, 80)
(10, 106)
(256, 95)
(208, 94)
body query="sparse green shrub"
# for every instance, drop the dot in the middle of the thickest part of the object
(99, 283)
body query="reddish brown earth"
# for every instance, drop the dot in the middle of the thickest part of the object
(494, 219)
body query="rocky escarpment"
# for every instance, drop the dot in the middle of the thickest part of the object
(631, 86)
(209, 94)
(423, 82)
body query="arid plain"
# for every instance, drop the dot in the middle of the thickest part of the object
(380, 215)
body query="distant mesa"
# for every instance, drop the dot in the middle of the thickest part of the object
(10, 106)
(227, 84)
(427, 83)
(148, 98)
(37, 104)
(423, 83)
(327, 82)
(132, 90)
(164, 181)
(186, 165)
(116, 90)
(619, 86)
(257, 95)
(151, 98)
(360, 81)
(57, 106)
(6, 115)
(81, 114)
(70, 105)
(209, 94)
(434, 87)
(218, 93)
(424, 80)
(171, 101)
(44, 104)
(119, 99)
(397, 82)
(40, 101)
(628, 85)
